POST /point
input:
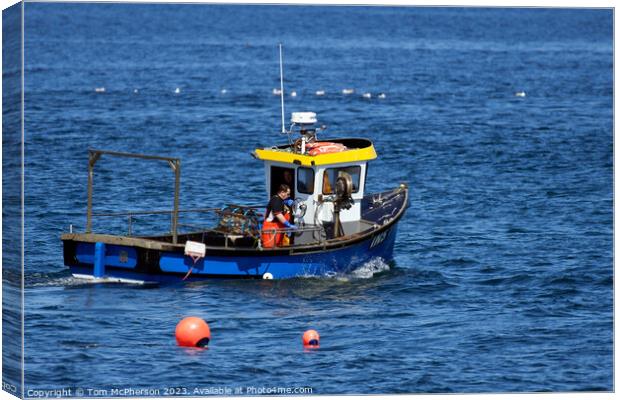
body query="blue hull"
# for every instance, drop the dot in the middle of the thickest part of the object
(175, 266)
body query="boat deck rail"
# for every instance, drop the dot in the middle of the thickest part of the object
(304, 235)
(318, 235)
(130, 215)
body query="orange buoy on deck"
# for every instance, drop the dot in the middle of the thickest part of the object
(192, 332)
(311, 339)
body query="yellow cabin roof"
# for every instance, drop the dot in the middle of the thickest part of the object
(359, 150)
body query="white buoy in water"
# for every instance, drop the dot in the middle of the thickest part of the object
(320, 92)
(267, 275)
(293, 94)
(520, 94)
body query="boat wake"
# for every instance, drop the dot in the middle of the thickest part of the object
(369, 269)
(61, 279)
(366, 270)
(51, 280)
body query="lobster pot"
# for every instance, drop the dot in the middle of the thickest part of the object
(241, 221)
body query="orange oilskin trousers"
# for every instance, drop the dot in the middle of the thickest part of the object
(269, 238)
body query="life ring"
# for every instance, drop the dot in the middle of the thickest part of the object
(317, 148)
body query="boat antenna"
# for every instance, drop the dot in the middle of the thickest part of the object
(282, 88)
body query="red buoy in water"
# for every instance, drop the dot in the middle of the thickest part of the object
(192, 332)
(311, 339)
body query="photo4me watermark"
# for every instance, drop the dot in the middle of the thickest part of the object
(197, 391)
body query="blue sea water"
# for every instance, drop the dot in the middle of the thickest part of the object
(503, 272)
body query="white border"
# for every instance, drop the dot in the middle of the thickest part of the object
(471, 3)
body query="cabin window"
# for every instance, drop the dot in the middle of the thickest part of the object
(331, 174)
(305, 180)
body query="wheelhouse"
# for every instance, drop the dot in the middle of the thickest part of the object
(312, 177)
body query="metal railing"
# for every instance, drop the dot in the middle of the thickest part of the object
(322, 236)
(174, 163)
(227, 236)
(131, 214)
(289, 231)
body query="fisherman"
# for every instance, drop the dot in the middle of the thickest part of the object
(277, 218)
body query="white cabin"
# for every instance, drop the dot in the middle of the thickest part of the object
(312, 178)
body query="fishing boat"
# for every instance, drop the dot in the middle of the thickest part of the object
(338, 226)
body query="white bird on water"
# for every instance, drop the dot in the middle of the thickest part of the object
(348, 91)
(177, 90)
(381, 95)
(520, 94)
(223, 91)
(276, 92)
(100, 90)
(293, 94)
(320, 92)
(367, 95)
